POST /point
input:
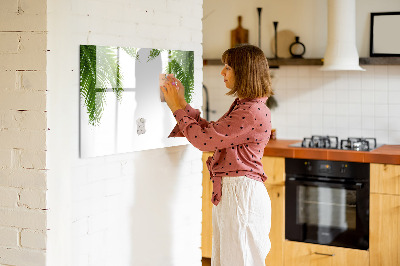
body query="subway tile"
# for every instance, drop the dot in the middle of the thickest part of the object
(394, 123)
(329, 109)
(355, 122)
(367, 96)
(380, 97)
(354, 84)
(291, 71)
(394, 71)
(367, 110)
(394, 137)
(394, 82)
(355, 132)
(292, 82)
(342, 122)
(380, 71)
(368, 123)
(380, 84)
(304, 72)
(382, 136)
(342, 109)
(342, 96)
(355, 96)
(394, 110)
(381, 123)
(381, 110)
(394, 97)
(355, 109)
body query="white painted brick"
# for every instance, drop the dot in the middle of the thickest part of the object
(34, 120)
(5, 159)
(31, 80)
(8, 6)
(23, 22)
(17, 256)
(33, 7)
(9, 42)
(98, 222)
(15, 139)
(22, 218)
(33, 159)
(23, 100)
(31, 56)
(7, 79)
(23, 178)
(33, 199)
(9, 237)
(8, 197)
(192, 23)
(33, 239)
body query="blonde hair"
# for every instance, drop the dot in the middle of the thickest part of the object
(250, 66)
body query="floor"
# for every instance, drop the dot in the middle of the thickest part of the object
(206, 261)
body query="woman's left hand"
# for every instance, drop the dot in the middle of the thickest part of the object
(170, 90)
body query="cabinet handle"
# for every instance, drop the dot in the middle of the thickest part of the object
(324, 254)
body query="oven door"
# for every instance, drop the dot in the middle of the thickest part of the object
(327, 213)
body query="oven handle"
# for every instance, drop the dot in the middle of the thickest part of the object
(357, 185)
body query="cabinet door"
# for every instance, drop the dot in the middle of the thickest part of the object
(206, 226)
(277, 233)
(384, 230)
(274, 168)
(385, 178)
(304, 254)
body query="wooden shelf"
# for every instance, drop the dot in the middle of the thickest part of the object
(380, 61)
(274, 63)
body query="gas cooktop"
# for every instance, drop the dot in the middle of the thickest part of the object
(332, 142)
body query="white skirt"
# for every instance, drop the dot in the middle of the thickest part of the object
(241, 223)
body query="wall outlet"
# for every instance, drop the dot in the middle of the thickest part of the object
(141, 126)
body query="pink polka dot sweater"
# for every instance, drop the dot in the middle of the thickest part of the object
(238, 139)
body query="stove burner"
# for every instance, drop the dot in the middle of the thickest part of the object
(332, 142)
(358, 144)
(328, 142)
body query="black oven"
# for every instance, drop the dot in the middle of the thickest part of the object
(327, 202)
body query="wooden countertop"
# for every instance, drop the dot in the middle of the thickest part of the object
(389, 154)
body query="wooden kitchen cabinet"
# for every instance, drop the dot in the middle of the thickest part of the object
(385, 178)
(277, 233)
(305, 254)
(206, 225)
(274, 168)
(385, 215)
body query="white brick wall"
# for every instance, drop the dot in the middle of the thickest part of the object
(22, 132)
(139, 208)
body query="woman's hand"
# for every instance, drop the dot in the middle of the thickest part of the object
(172, 90)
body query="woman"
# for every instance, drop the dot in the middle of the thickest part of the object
(242, 208)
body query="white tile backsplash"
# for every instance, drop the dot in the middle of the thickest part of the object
(343, 103)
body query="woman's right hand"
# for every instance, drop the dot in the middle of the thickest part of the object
(181, 91)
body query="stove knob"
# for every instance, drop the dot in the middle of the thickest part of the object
(343, 168)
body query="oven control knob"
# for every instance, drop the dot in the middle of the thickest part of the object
(343, 168)
(308, 166)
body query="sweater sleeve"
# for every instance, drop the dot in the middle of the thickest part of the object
(231, 130)
(193, 113)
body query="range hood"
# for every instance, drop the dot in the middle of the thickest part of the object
(341, 51)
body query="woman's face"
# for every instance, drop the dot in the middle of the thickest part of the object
(229, 76)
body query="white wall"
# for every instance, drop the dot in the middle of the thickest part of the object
(306, 19)
(23, 133)
(311, 102)
(141, 208)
